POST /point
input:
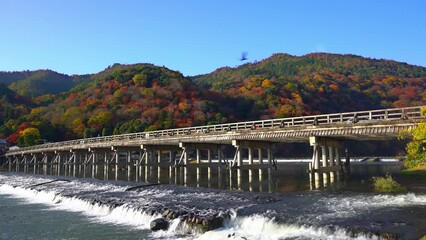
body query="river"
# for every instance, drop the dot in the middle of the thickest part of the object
(260, 204)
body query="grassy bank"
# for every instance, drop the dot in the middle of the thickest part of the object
(417, 172)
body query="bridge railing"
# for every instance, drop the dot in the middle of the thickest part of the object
(347, 117)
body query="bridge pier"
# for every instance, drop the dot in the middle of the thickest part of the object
(331, 167)
(157, 156)
(324, 165)
(35, 161)
(75, 161)
(155, 153)
(124, 153)
(9, 162)
(250, 146)
(91, 160)
(25, 163)
(45, 161)
(200, 148)
(56, 162)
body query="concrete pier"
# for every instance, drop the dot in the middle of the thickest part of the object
(331, 167)
(250, 146)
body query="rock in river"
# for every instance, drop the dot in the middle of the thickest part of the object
(159, 224)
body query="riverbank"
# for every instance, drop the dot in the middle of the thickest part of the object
(417, 172)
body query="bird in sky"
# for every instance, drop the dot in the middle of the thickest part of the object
(243, 56)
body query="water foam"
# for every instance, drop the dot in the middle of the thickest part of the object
(102, 213)
(258, 227)
(349, 206)
(255, 226)
(122, 215)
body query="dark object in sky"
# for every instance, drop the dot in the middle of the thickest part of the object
(243, 56)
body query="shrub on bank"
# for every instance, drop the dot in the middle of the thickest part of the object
(416, 149)
(386, 184)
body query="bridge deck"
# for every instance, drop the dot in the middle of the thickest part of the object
(364, 125)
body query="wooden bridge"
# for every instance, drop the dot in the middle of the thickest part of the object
(325, 133)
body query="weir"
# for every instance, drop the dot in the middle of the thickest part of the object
(255, 139)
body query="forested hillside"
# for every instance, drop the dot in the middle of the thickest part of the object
(144, 97)
(12, 106)
(134, 98)
(36, 83)
(285, 85)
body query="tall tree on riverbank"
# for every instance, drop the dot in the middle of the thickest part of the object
(416, 149)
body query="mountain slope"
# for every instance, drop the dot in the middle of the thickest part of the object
(143, 97)
(12, 106)
(42, 82)
(284, 65)
(285, 85)
(131, 98)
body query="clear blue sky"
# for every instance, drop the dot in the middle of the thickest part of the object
(198, 36)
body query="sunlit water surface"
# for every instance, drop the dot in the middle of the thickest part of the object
(265, 204)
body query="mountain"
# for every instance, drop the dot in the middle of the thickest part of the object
(37, 83)
(144, 97)
(285, 85)
(12, 106)
(132, 98)
(10, 77)
(284, 65)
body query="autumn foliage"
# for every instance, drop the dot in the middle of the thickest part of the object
(144, 97)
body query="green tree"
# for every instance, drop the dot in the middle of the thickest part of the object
(105, 132)
(416, 149)
(29, 137)
(5, 131)
(87, 133)
(140, 78)
(100, 120)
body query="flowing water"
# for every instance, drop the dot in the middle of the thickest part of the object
(91, 203)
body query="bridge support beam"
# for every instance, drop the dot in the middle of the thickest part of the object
(127, 151)
(250, 146)
(46, 160)
(35, 161)
(154, 156)
(329, 150)
(150, 150)
(76, 156)
(199, 149)
(24, 161)
(60, 158)
(9, 163)
(97, 157)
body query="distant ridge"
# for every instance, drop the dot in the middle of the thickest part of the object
(285, 85)
(36, 83)
(281, 64)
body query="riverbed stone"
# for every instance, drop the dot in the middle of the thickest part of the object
(166, 213)
(388, 236)
(158, 224)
